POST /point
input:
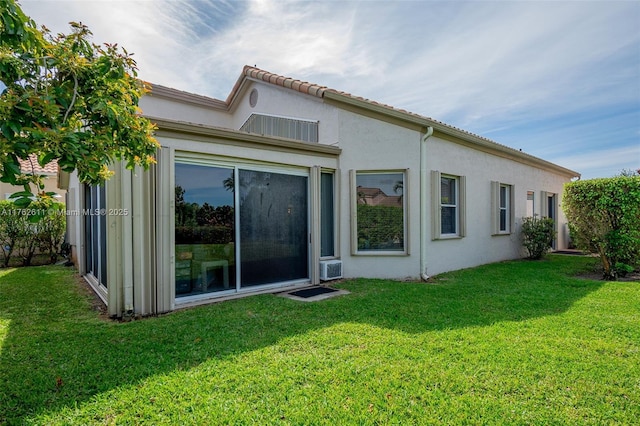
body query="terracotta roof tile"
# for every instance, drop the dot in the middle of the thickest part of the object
(31, 166)
(280, 80)
(320, 91)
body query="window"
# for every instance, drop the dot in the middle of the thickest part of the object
(379, 207)
(502, 208)
(530, 204)
(448, 199)
(448, 205)
(326, 215)
(302, 130)
(95, 233)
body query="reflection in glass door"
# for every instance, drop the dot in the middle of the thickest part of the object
(271, 227)
(274, 244)
(204, 229)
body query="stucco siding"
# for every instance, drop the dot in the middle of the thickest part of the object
(289, 104)
(479, 246)
(369, 144)
(159, 107)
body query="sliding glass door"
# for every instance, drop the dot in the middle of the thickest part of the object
(273, 227)
(237, 228)
(204, 229)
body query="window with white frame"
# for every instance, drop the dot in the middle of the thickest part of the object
(327, 228)
(530, 204)
(448, 200)
(502, 208)
(379, 212)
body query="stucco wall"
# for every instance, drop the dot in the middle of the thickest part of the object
(50, 185)
(480, 168)
(158, 107)
(370, 144)
(287, 103)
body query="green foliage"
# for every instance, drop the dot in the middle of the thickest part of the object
(11, 229)
(51, 228)
(380, 227)
(537, 235)
(210, 234)
(202, 224)
(26, 231)
(605, 219)
(67, 99)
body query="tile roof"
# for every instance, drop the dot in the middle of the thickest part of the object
(257, 74)
(320, 91)
(325, 92)
(279, 80)
(31, 165)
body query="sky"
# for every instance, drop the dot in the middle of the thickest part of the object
(559, 80)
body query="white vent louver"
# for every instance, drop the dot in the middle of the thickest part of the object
(330, 270)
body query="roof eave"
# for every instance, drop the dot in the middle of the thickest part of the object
(164, 92)
(461, 135)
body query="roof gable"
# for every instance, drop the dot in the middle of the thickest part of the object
(359, 104)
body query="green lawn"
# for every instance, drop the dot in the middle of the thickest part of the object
(511, 343)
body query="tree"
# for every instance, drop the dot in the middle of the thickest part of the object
(629, 172)
(67, 99)
(604, 216)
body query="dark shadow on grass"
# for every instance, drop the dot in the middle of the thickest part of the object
(58, 352)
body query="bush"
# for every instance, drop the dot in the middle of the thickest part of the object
(380, 227)
(11, 230)
(25, 231)
(604, 217)
(537, 235)
(204, 234)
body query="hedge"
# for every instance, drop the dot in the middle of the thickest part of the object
(24, 232)
(604, 216)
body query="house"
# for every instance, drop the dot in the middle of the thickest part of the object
(49, 173)
(287, 183)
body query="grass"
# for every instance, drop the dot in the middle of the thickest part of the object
(510, 343)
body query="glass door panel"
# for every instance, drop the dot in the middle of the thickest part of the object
(204, 229)
(274, 228)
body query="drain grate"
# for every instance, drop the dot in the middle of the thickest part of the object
(310, 292)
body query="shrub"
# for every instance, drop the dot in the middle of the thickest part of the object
(25, 231)
(380, 227)
(604, 216)
(51, 230)
(11, 229)
(537, 235)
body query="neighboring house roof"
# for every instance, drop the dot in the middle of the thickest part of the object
(350, 101)
(31, 166)
(377, 197)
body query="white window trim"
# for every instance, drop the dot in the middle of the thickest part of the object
(354, 213)
(436, 211)
(495, 208)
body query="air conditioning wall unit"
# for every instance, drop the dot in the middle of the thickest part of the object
(330, 270)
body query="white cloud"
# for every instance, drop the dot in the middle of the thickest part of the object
(476, 65)
(605, 162)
